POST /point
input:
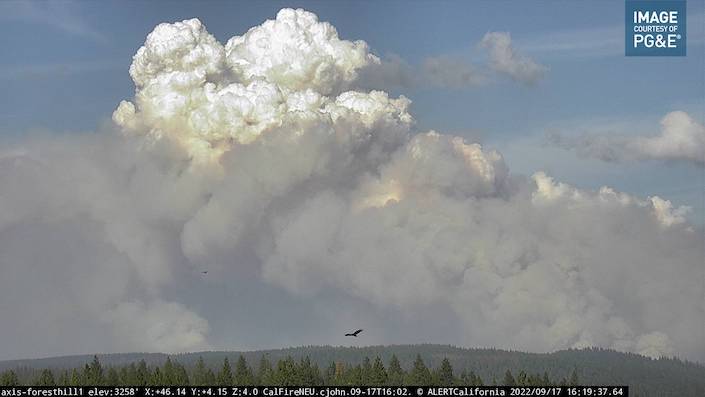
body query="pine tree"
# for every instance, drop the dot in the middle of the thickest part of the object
(509, 379)
(463, 379)
(143, 374)
(286, 372)
(477, 380)
(225, 376)
(366, 373)
(9, 378)
(307, 374)
(329, 376)
(395, 374)
(353, 376)
(199, 373)
(419, 374)
(46, 378)
(445, 373)
(168, 372)
(157, 377)
(265, 374)
(93, 372)
(64, 379)
(86, 375)
(379, 374)
(534, 380)
(180, 375)
(124, 374)
(76, 378)
(545, 381)
(470, 379)
(243, 373)
(573, 378)
(210, 377)
(112, 378)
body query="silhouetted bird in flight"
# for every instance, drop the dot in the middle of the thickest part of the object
(205, 272)
(354, 333)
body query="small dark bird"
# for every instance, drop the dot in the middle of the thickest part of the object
(205, 272)
(354, 333)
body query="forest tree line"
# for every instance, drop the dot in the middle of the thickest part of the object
(285, 372)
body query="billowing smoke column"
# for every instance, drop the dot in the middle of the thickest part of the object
(262, 148)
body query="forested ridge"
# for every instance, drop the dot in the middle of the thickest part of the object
(374, 365)
(285, 372)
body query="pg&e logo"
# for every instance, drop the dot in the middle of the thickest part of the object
(655, 28)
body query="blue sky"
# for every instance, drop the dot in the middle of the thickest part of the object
(65, 70)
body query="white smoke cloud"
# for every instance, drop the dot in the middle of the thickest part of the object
(452, 72)
(504, 58)
(436, 72)
(255, 158)
(681, 139)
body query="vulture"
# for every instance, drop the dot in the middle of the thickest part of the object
(354, 333)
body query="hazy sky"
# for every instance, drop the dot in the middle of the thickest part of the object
(309, 187)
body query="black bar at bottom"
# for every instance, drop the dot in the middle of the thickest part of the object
(310, 391)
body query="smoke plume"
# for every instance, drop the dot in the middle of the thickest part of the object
(505, 59)
(453, 72)
(254, 159)
(681, 139)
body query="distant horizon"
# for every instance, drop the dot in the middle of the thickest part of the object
(352, 347)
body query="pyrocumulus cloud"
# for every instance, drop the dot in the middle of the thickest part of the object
(257, 148)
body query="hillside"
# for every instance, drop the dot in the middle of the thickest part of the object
(662, 377)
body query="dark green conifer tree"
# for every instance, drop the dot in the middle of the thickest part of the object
(76, 378)
(112, 377)
(199, 373)
(9, 378)
(286, 373)
(225, 376)
(366, 373)
(93, 373)
(265, 373)
(243, 373)
(353, 375)
(210, 377)
(307, 373)
(395, 373)
(127, 378)
(509, 379)
(419, 374)
(156, 378)
(180, 375)
(46, 378)
(64, 379)
(329, 376)
(379, 374)
(445, 373)
(545, 381)
(573, 378)
(143, 374)
(168, 375)
(477, 380)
